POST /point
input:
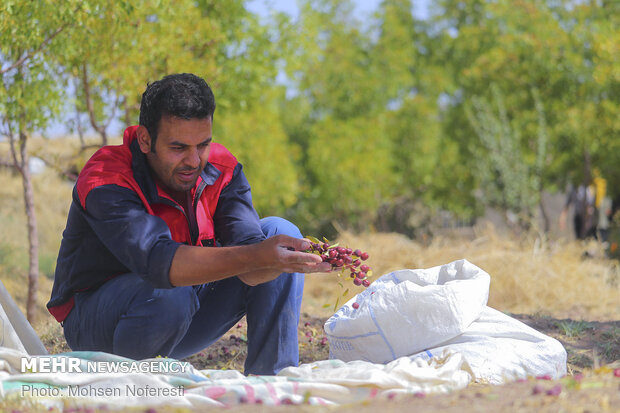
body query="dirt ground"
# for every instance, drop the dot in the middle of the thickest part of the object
(589, 344)
(591, 386)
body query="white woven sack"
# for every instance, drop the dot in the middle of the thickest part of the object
(408, 311)
(499, 349)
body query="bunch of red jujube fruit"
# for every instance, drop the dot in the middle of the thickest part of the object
(343, 259)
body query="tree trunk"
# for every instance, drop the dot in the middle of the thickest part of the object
(22, 166)
(127, 112)
(543, 214)
(33, 244)
(78, 121)
(101, 130)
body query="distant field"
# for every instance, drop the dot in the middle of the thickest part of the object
(527, 275)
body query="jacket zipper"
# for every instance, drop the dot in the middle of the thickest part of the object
(194, 231)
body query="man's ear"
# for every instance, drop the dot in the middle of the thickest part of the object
(144, 139)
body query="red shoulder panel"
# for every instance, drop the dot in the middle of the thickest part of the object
(219, 155)
(109, 165)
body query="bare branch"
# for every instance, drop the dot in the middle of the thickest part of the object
(22, 148)
(16, 163)
(89, 105)
(116, 105)
(66, 173)
(7, 163)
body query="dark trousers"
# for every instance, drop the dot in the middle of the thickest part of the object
(128, 317)
(583, 227)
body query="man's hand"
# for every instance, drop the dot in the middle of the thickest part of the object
(254, 264)
(288, 256)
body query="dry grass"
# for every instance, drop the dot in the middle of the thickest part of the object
(527, 275)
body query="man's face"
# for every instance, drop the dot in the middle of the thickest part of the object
(181, 152)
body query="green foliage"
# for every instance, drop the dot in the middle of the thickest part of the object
(394, 55)
(259, 142)
(331, 67)
(122, 46)
(550, 47)
(245, 57)
(351, 167)
(28, 33)
(508, 180)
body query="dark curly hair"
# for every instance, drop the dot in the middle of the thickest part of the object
(183, 95)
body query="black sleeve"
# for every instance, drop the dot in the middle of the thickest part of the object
(136, 238)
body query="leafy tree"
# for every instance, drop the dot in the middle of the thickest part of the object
(336, 118)
(31, 32)
(546, 46)
(331, 67)
(247, 55)
(352, 166)
(427, 164)
(394, 55)
(257, 138)
(124, 45)
(508, 180)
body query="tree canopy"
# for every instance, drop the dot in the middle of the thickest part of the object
(334, 117)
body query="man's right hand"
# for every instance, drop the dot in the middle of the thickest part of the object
(287, 255)
(253, 264)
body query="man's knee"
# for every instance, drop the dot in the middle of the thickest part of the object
(156, 325)
(275, 225)
(169, 310)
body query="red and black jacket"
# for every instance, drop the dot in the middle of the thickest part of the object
(121, 221)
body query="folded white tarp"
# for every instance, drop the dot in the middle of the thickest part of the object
(95, 378)
(89, 379)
